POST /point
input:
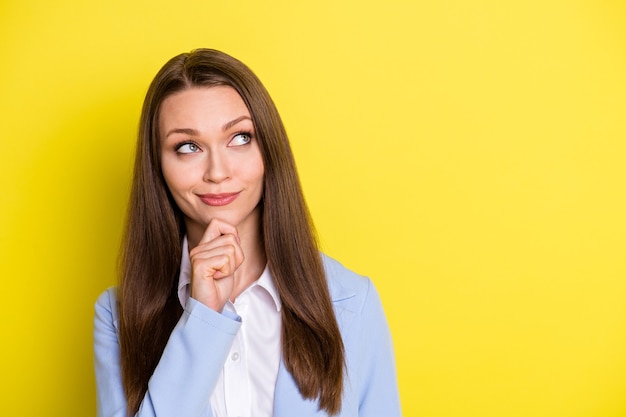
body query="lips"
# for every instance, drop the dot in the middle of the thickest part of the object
(218, 199)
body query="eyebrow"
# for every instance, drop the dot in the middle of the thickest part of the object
(193, 132)
(234, 122)
(190, 132)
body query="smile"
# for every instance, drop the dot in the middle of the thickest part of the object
(218, 199)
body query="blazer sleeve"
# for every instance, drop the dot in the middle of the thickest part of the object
(379, 395)
(183, 381)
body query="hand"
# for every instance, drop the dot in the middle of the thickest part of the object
(213, 264)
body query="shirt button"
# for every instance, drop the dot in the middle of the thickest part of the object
(235, 356)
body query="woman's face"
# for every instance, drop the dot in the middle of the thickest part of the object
(210, 158)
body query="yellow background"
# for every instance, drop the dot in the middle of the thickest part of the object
(469, 156)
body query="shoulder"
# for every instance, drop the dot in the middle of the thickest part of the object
(106, 307)
(371, 386)
(107, 299)
(346, 287)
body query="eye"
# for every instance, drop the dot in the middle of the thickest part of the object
(187, 147)
(240, 139)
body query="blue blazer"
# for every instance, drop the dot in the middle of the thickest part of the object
(182, 383)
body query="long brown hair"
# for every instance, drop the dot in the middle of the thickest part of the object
(312, 347)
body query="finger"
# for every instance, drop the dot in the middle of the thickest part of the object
(217, 228)
(222, 244)
(214, 267)
(225, 245)
(226, 268)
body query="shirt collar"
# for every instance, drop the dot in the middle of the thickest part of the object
(265, 281)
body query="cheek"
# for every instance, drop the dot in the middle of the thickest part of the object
(174, 179)
(255, 168)
(255, 174)
(168, 176)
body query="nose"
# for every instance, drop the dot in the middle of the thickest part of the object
(218, 167)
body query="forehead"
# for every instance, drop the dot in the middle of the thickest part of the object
(202, 105)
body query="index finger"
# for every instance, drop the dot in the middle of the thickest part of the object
(217, 228)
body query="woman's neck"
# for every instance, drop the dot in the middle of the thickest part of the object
(253, 265)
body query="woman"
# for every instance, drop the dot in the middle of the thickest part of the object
(225, 305)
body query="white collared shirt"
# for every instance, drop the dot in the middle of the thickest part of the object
(246, 385)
